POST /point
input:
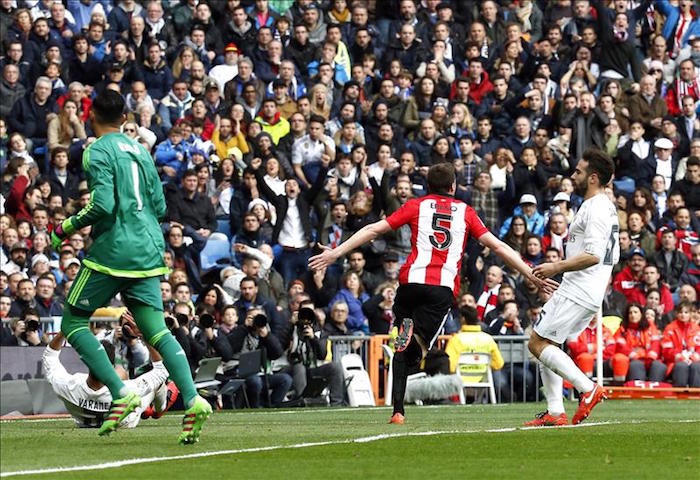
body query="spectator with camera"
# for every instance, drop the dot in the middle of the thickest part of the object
(26, 331)
(254, 334)
(308, 352)
(129, 351)
(178, 323)
(250, 297)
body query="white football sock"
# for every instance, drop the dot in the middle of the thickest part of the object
(562, 364)
(553, 385)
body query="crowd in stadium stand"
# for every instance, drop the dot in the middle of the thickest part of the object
(279, 124)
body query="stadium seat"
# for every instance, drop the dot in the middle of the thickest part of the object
(224, 226)
(475, 370)
(215, 252)
(359, 387)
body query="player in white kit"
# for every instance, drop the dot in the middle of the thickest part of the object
(591, 252)
(88, 401)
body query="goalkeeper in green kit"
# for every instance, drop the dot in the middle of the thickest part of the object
(126, 204)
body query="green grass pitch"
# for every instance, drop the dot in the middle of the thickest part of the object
(621, 439)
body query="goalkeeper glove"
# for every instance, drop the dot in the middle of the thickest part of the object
(61, 232)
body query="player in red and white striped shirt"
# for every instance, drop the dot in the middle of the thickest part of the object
(429, 280)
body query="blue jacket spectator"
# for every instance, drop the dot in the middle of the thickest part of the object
(357, 322)
(175, 104)
(82, 11)
(119, 19)
(673, 15)
(528, 209)
(340, 75)
(171, 156)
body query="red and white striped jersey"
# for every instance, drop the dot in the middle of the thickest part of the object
(440, 227)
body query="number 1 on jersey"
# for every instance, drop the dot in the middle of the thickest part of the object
(137, 191)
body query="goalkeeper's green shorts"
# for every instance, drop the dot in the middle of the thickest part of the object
(92, 290)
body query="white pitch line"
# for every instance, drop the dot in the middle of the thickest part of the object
(374, 438)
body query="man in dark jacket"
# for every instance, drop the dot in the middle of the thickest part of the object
(293, 228)
(156, 74)
(11, 89)
(300, 50)
(84, 67)
(251, 298)
(189, 208)
(240, 30)
(588, 127)
(28, 115)
(406, 49)
(47, 303)
(308, 351)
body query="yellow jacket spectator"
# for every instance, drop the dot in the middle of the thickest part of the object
(271, 120)
(225, 137)
(471, 339)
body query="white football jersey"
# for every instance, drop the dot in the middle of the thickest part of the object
(595, 230)
(88, 407)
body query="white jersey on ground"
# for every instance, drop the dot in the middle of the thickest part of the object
(595, 230)
(88, 407)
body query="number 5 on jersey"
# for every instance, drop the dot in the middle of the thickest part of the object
(441, 225)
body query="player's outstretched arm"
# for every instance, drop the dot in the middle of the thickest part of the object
(573, 264)
(365, 234)
(513, 259)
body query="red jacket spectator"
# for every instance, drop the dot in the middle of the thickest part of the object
(587, 342)
(627, 282)
(685, 237)
(639, 295)
(681, 340)
(477, 91)
(15, 203)
(638, 344)
(85, 105)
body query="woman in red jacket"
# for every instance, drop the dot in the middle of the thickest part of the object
(584, 348)
(637, 348)
(681, 347)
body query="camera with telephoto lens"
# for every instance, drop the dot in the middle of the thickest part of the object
(307, 317)
(32, 326)
(206, 321)
(169, 322)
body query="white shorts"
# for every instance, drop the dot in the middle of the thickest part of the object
(562, 318)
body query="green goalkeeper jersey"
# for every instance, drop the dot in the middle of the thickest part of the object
(125, 207)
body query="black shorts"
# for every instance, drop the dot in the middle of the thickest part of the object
(428, 307)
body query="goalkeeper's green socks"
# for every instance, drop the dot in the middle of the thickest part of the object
(151, 323)
(74, 327)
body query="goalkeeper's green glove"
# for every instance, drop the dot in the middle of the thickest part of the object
(61, 232)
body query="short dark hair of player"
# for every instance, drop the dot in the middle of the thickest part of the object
(440, 178)
(599, 163)
(189, 173)
(693, 162)
(108, 107)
